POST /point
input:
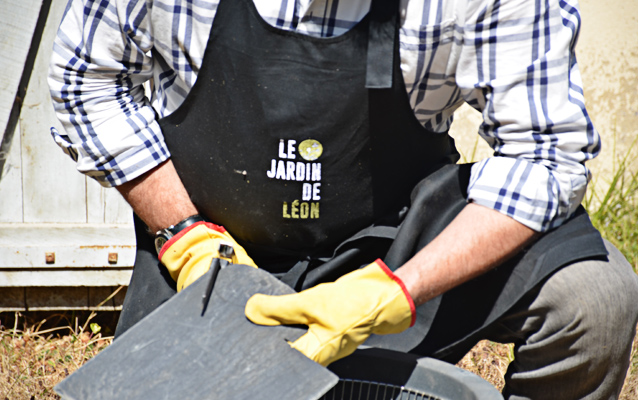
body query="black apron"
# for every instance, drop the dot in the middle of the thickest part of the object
(281, 143)
(308, 155)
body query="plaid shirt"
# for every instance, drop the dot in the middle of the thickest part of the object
(513, 60)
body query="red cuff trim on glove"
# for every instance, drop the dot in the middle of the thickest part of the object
(184, 231)
(395, 278)
(214, 227)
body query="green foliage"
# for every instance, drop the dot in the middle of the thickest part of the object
(95, 328)
(615, 213)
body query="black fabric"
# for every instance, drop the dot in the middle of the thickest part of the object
(381, 39)
(366, 245)
(261, 88)
(151, 285)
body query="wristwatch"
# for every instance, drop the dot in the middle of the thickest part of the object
(164, 235)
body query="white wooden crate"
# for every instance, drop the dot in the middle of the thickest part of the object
(46, 206)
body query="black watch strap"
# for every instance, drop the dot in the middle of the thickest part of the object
(164, 235)
(185, 223)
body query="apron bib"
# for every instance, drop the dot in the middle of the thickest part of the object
(281, 142)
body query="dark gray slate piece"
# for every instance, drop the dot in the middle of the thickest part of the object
(175, 353)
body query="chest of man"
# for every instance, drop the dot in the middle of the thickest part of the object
(426, 36)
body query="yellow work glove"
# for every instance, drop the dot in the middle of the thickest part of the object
(188, 255)
(340, 315)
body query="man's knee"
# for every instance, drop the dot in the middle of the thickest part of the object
(590, 294)
(599, 293)
(575, 337)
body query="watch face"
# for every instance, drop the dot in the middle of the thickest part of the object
(159, 243)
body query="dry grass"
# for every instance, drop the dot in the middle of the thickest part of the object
(33, 360)
(490, 360)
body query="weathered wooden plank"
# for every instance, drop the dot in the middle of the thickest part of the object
(12, 299)
(11, 185)
(53, 190)
(68, 298)
(95, 202)
(65, 278)
(73, 245)
(60, 298)
(117, 210)
(106, 205)
(17, 23)
(98, 295)
(75, 298)
(72, 255)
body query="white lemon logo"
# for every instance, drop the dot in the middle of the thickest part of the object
(310, 149)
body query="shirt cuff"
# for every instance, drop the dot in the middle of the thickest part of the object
(526, 191)
(118, 152)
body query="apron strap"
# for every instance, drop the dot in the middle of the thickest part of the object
(383, 30)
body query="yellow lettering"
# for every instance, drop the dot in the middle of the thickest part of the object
(286, 215)
(304, 210)
(295, 209)
(314, 210)
(301, 210)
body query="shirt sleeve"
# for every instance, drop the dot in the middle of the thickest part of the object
(517, 66)
(101, 59)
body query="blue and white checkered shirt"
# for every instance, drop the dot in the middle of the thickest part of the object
(513, 60)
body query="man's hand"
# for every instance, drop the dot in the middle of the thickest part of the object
(340, 315)
(159, 198)
(188, 254)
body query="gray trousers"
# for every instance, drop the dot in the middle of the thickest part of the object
(573, 334)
